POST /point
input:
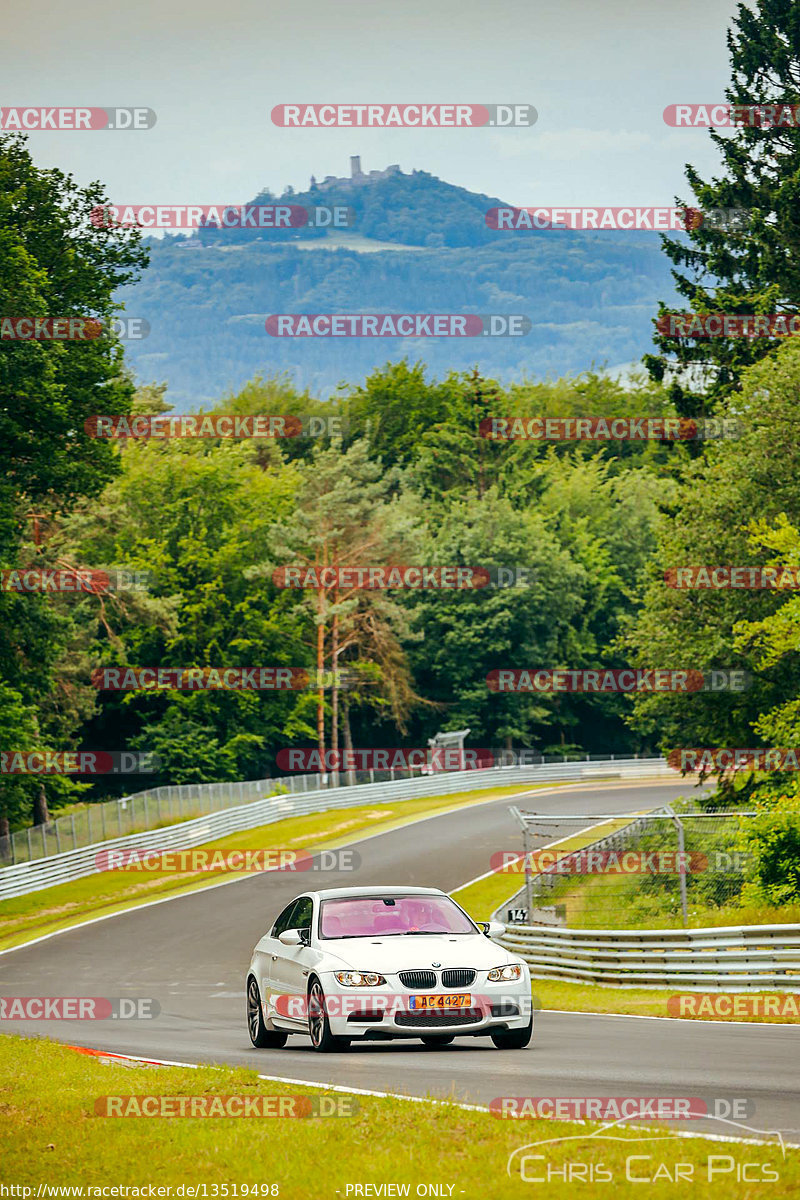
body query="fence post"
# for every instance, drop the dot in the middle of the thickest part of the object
(681, 848)
(103, 818)
(30, 847)
(682, 865)
(58, 838)
(119, 816)
(44, 839)
(88, 823)
(74, 834)
(528, 873)
(146, 813)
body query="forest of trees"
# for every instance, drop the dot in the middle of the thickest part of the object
(594, 526)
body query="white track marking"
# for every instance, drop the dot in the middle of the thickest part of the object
(356, 1091)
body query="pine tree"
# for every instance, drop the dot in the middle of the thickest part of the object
(750, 265)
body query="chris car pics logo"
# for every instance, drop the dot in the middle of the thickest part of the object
(578, 1158)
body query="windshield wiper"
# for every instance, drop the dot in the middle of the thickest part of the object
(417, 932)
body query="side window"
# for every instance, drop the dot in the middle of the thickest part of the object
(284, 921)
(301, 917)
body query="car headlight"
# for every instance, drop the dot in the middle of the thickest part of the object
(498, 974)
(358, 978)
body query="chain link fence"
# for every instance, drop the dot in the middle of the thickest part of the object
(158, 807)
(659, 870)
(146, 810)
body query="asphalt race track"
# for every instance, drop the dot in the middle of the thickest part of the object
(191, 954)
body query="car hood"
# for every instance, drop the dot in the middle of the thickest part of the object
(389, 955)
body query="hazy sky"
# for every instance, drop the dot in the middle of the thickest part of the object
(599, 72)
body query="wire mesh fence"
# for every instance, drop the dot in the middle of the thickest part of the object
(168, 805)
(150, 809)
(662, 869)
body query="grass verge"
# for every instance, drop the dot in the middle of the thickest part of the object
(566, 996)
(50, 1135)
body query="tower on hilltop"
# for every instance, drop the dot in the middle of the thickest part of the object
(355, 166)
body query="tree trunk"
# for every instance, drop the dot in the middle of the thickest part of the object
(348, 740)
(5, 827)
(320, 671)
(41, 813)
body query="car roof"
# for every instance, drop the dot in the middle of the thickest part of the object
(353, 893)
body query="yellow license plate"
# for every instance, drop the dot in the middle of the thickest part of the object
(460, 1000)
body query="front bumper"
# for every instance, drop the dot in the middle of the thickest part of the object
(387, 1012)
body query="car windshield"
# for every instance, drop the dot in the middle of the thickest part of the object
(391, 916)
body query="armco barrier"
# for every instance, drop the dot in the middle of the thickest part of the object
(75, 864)
(724, 959)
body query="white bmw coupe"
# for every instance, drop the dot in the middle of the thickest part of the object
(385, 962)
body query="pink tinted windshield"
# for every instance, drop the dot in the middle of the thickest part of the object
(367, 916)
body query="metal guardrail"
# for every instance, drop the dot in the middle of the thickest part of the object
(157, 807)
(724, 959)
(728, 958)
(27, 877)
(140, 811)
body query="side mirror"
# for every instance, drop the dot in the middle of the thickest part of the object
(493, 928)
(290, 937)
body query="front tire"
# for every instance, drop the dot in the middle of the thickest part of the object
(513, 1039)
(319, 1029)
(260, 1036)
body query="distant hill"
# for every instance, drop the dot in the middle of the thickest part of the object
(416, 209)
(417, 244)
